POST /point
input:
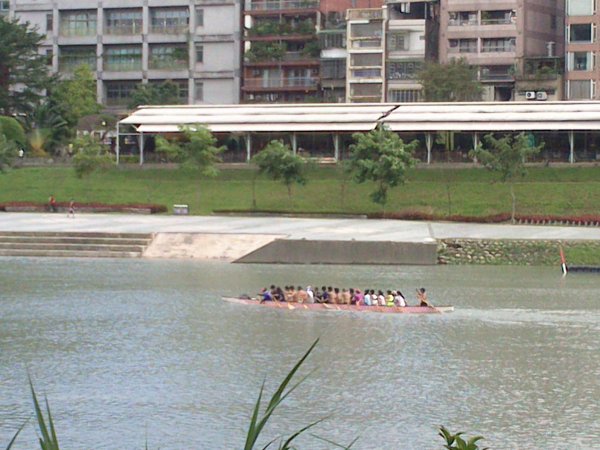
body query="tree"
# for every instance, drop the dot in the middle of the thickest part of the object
(47, 128)
(12, 130)
(165, 93)
(506, 157)
(23, 71)
(8, 152)
(278, 162)
(382, 157)
(197, 149)
(90, 155)
(77, 96)
(452, 82)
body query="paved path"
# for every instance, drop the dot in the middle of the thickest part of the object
(292, 228)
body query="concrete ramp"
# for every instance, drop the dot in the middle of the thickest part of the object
(288, 251)
(224, 247)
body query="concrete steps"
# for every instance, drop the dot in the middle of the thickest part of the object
(74, 245)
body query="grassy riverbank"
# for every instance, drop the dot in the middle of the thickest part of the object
(468, 191)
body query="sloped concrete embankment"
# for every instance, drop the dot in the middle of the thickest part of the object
(207, 246)
(289, 251)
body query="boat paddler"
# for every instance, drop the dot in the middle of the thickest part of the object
(422, 297)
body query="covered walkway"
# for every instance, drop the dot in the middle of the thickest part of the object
(446, 131)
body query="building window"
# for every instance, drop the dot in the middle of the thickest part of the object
(123, 22)
(462, 18)
(503, 17)
(169, 20)
(404, 70)
(580, 7)
(580, 32)
(496, 73)
(580, 61)
(198, 91)
(49, 57)
(69, 58)
(78, 23)
(165, 57)
(333, 69)
(332, 40)
(118, 93)
(49, 22)
(397, 41)
(199, 17)
(199, 53)
(366, 60)
(123, 58)
(404, 95)
(580, 89)
(462, 45)
(4, 7)
(366, 73)
(500, 45)
(182, 89)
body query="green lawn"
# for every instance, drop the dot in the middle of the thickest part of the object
(546, 190)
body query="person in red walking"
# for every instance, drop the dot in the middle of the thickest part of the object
(52, 204)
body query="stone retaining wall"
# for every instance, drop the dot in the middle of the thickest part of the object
(506, 252)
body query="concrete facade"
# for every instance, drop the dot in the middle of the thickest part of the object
(499, 37)
(582, 49)
(195, 44)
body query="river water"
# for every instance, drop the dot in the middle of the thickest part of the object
(136, 351)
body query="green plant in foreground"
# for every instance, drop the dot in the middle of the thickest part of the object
(455, 442)
(257, 425)
(48, 440)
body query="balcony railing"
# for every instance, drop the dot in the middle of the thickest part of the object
(281, 82)
(502, 21)
(68, 64)
(496, 77)
(167, 64)
(169, 29)
(276, 5)
(123, 66)
(124, 30)
(90, 30)
(367, 43)
(362, 14)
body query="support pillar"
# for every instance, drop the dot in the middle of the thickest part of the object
(428, 144)
(571, 146)
(248, 147)
(475, 144)
(294, 143)
(118, 143)
(336, 146)
(141, 140)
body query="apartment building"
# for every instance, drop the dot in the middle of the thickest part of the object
(503, 39)
(582, 75)
(365, 63)
(194, 43)
(405, 49)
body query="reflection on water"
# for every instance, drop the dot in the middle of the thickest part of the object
(129, 349)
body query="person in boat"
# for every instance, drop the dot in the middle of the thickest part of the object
(301, 295)
(422, 297)
(324, 296)
(352, 296)
(310, 295)
(367, 297)
(389, 298)
(345, 297)
(291, 294)
(399, 299)
(380, 298)
(279, 294)
(265, 295)
(332, 295)
(359, 297)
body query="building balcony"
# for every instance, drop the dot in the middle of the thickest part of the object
(283, 83)
(167, 64)
(124, 30)
(266, 6)
(365, 14)
(169, 29)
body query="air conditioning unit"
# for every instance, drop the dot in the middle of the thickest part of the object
(530, 95)
(541, 95)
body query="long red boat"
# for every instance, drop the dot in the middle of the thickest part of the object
(332, 307)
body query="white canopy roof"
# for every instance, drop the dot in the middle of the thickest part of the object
(348, 117)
